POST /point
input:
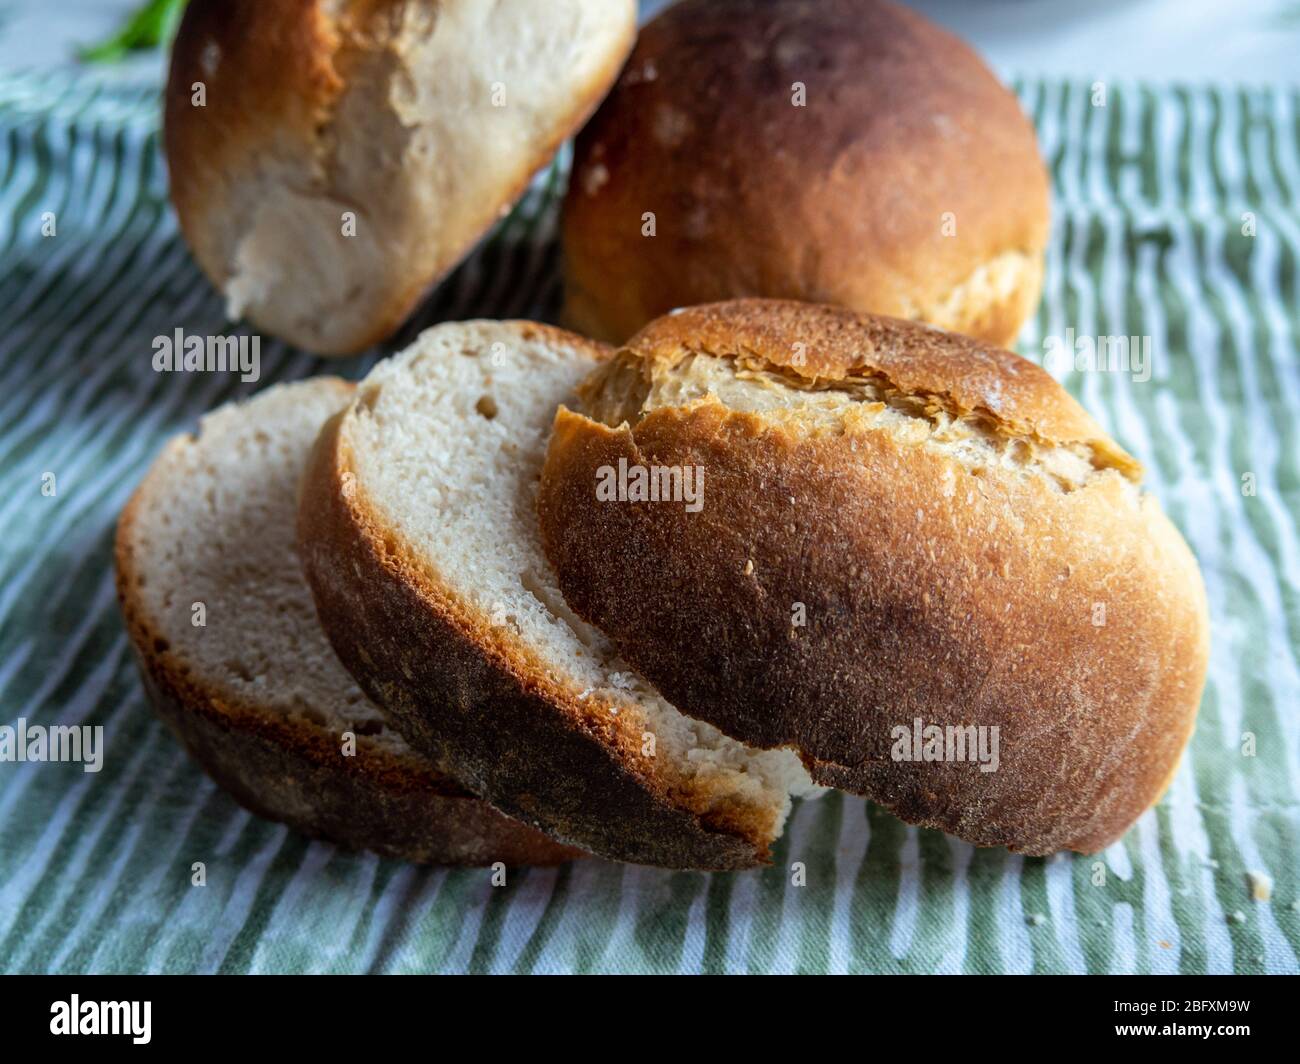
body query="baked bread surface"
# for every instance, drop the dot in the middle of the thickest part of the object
(897, 524)
(254, 691)
(348, 153)
(907, 183)
(419, 534)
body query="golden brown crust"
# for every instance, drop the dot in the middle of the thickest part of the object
(276, 76)
(1071, 617)
(290, 770)
(399, 810)
(843, 200)
(825, 343)
(456, 693)
(269, 79)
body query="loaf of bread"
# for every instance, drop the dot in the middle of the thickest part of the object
(234, 660)
(895, 537)
(837, 151)
(418, 531)
(332, 159)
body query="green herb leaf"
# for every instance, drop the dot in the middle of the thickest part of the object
(151, 26)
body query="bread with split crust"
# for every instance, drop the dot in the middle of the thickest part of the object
(898, 524)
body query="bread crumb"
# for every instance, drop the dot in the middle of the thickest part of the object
(1165, 945)
(749, 567)
(1261, 885)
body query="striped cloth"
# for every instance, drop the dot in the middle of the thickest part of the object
(1153, 192)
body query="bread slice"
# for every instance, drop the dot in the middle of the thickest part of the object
(898, 525)
(234, 659)
(330, 160)
(418, 531)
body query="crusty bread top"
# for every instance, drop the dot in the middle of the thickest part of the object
(891, 360)
(423, 119)
(895, 525)
(906, 182)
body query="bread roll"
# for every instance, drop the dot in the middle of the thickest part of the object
(837, 151)
(235, 662)
(348, 153)
(899, 529)
(418, 531)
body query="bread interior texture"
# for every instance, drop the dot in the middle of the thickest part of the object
(214, 531)
(427, 120)
(629, 388)
(994, 283)
(447, 443)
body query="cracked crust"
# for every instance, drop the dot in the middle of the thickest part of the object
(387, 109)
(926, 372)
(843, 200)
(859, 563)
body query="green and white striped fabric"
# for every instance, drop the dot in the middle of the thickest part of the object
(1153, 191)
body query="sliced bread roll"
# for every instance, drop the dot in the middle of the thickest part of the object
(331, 160)
(418, 531)
(916, 560)
(234, 659)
